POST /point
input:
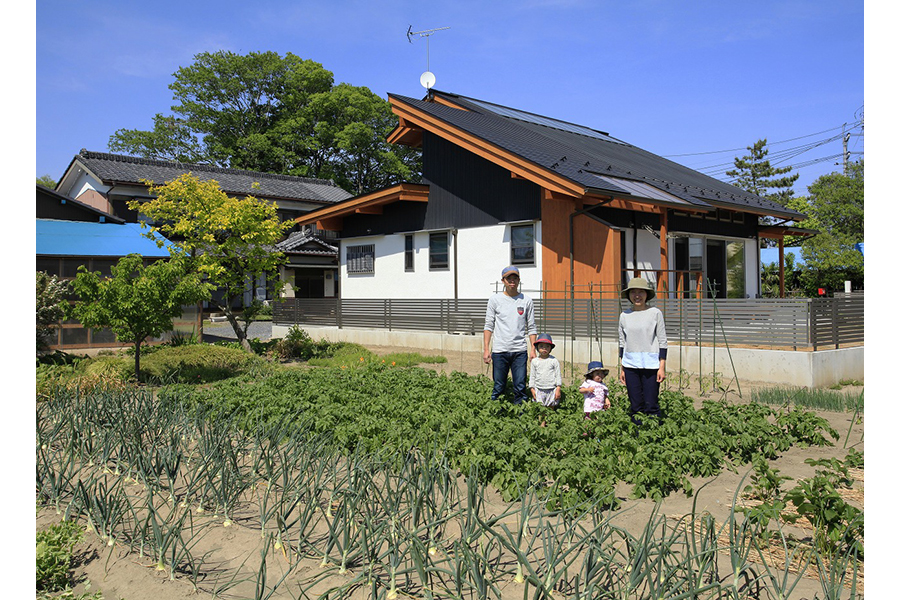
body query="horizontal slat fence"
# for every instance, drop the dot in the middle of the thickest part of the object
(772, 323)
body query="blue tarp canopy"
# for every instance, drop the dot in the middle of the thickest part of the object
(770, 255)
(79, 238)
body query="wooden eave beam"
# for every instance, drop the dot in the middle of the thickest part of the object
(371, 210)
(330, 224)
(490, 152)
(409, 192)
(405, 136)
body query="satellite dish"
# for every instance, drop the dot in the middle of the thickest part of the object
(427, 80)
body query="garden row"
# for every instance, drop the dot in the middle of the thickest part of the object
(358, 467)
(374, 406)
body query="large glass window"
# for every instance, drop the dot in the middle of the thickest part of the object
(438, 251)
(522, 244)
(361, 259)
(736, 286)
(721, 262)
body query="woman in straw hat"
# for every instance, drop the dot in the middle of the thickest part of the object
(642, 349)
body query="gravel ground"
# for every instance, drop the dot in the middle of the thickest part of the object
(213, 332)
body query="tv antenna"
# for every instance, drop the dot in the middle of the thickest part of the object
(427, 79)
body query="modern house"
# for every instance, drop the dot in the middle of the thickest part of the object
(571, 206)
(108, 182)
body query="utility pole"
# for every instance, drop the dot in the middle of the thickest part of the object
(845, 136)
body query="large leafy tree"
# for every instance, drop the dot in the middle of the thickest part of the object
(277, 114)
(835, 208)
(138, 301)
(228, 240)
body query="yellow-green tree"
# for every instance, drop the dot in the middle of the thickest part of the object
(227, 240)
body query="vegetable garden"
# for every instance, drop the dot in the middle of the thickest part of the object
(368, 479)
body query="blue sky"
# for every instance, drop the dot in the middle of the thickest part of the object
(675, 78)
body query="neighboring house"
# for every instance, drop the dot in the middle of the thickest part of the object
(569, 205)
(312, 266)
(109, 181)
(71, 233)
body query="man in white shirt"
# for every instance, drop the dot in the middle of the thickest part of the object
(509, 334)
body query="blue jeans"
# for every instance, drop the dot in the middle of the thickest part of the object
(504, 362)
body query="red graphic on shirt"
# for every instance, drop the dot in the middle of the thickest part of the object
(521, 310)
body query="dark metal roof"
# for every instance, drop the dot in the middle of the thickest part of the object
(91, 213)
(116, 168)
(594, 159)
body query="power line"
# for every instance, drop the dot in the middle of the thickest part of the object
(767, 143)
(787, 154)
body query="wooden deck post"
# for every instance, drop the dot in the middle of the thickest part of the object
(781, 267)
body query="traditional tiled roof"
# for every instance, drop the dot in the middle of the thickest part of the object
(303, 242)
(593, 159)
(121, 169)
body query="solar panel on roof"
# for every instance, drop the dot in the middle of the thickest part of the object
(545, 121)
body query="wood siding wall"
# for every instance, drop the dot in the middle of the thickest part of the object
(596, 251)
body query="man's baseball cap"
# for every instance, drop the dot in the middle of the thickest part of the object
(509, 270)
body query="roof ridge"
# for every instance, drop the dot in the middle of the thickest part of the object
(88, 154)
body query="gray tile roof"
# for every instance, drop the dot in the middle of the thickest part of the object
(591, 158)
(303, 242)
(116, 168)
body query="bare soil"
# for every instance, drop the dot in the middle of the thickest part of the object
(120, 573)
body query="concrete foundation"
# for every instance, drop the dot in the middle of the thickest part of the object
(775, 367)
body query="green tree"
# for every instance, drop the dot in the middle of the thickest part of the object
(771, 278)
(835, 208)
(138, 301)
(228, 240)
(170, 139)
(47, 181)
(50, 307)
(753, 173)
(277, 114)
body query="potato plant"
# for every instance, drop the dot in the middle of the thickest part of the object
(377, 476)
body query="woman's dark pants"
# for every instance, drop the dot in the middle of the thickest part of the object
(643, 392)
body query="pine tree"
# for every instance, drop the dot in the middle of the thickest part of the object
(755, 174)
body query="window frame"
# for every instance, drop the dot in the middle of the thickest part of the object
(432, 264)
(356, 256)
(409, 253)
(513, 246)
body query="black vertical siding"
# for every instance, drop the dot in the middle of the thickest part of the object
(469, 191)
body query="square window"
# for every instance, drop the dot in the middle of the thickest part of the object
(361, 259)
(522, 244)
(438, 251)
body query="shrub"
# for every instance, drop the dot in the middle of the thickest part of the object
(199, 363)
(298, 345)
(63, 370)
(54, 555)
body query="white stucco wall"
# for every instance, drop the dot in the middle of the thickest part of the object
(83, 182)
(476, 258)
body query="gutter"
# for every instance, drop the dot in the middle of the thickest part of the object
(584, 211)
